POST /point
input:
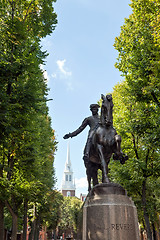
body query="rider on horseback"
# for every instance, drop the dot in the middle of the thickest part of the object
(92, 122)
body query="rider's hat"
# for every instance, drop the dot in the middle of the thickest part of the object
(94, 106)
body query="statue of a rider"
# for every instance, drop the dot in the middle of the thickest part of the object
(92, 122)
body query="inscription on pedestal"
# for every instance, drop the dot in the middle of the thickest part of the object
(119, 226)
(113, 227)
(116, 227)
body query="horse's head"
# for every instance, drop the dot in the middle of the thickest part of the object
(106, 110)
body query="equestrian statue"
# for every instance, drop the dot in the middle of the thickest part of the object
(102, 142)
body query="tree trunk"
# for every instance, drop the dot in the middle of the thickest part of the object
(25, 220)
(32, 232)
(146, 216)
(14, 222)
(14, 227)
(2, 220)
(36, 236)
(154, 232)
(33, 226)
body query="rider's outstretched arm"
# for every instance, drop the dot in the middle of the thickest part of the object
(79, 130)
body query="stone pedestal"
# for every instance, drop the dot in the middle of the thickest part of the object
(109, 214)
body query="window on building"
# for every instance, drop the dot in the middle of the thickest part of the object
(68, 193)
(70, 178)
(66, 177)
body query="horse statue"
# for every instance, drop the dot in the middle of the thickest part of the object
(105, 143)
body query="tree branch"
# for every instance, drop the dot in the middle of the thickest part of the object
(147, 156)
(27, 11)
(9, 208)
(135, 148)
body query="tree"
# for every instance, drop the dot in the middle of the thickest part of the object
(52, 211)
(138, 60)
(70, 210)
(45, 213)
(24, 122)
(138, 47)
(139, 174)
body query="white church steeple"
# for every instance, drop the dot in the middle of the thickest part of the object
(68, 183)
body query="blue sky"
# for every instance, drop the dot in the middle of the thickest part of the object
(79, 68)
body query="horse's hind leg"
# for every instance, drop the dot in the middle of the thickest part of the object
(104, 165)
(89, 184)
(88, 177)
(95, 177)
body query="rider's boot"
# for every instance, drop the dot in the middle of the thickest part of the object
(86, 152)
(86, 158)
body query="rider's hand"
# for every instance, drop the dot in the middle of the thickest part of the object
(67, 136)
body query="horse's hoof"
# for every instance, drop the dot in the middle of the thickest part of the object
(115, 156)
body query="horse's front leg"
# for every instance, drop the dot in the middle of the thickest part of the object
(104, 165)
(118, 140)
(118, 152)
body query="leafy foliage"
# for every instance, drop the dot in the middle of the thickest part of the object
(27, 142)
(136, 106)
(70, 211)
(140, 175)
(138, 47)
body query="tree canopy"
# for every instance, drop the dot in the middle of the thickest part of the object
(136, 109)
(70, 215)
(27, 141)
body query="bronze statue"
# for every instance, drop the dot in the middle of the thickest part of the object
(103, 141)
(92, 122)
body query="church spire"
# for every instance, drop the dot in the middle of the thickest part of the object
(68, 183)
(68, 161)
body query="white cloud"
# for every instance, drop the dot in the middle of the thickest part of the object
(45, 74)
(81, 183)
(65, 75)
(62, 69)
